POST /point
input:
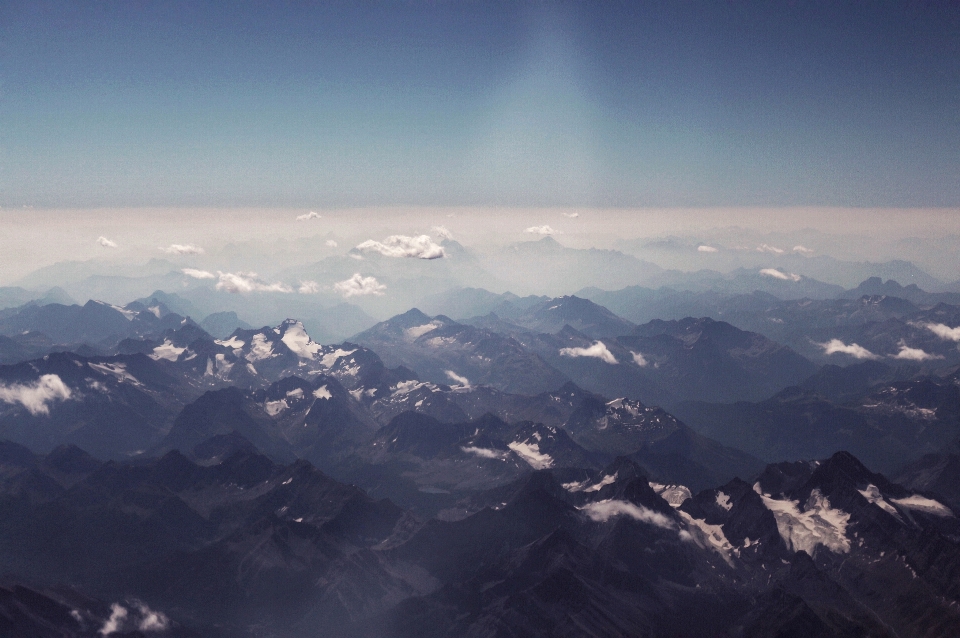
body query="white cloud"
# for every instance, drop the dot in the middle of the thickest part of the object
(359, 285)
(151, 620)
(36, 396)
(442, 232)
(776, 274)
(703, 248)
(331, 243)
(308, 288)
(639, 359)
(457, 378)
(765, 248)
(803, 250)
(307, 216)
(247, 282)
(198, 274)
(118, 613)
(857, 351)
(914, 354)
(420, 247)
(603, 511)
(598, 350)
(182, 249)
(543, 230)
(571, 215)
(944, 331)
(106, 243)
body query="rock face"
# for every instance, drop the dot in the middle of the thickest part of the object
(225, 548)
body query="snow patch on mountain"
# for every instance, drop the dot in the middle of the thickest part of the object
(923, 504)
(708, 536)
(260, 348)
(330, 358)
(675, 495)
(273, 408)
(167, 351)
(530, 452)
(232, 342)
(297, 339)
(117, 370)
(817, 524)
(873, 495)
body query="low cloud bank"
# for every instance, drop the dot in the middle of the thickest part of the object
(944, 331)
(598, 351)
(331, 243)
(308, 288)
(358, 286)
(307, 216)
(419, 247)
(243, 282)
(605, 510)
(571, 215)
(198, 274)
(857, 351)
(776, 274)
(703, 248)
(543, 230)
(182, 249)
(36, 397)
(639, 359)
(453, 376)
(914, 354)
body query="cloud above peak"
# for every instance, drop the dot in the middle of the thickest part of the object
(198, 274)
(776, 274)
(358, 286)
(944, 331)
(308, 216)
(419, 247)
(703, 248)
(598, 351)
(244, 282)
(442, 232)
(106, 243)
(182, 249)
(835, 346)
(543, 230)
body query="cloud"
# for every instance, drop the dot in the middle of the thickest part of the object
(307, 216)
(603, 511)
(914, 354)
(308, 288)
(802, 250)
(854, 350)
(420, 247)
(198, 274)
(359, 285)
(943, 331)
(598, 350)
(776, 274)
(182, 249)
(106, 243)
(35, 397)
(456, 377)
(118, 614)
(331, 243)
(151, 620)
(543, 230)
(442, 232)
(765, 248)
(706, 249)
(639, 359)
(571, 215)
(247, 282)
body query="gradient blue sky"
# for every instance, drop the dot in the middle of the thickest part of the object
(474, 103)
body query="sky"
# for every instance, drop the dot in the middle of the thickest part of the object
(145, 105)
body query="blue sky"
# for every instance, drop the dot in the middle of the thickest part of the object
(627, 104)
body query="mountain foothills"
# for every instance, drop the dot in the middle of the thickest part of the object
(671, 462)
